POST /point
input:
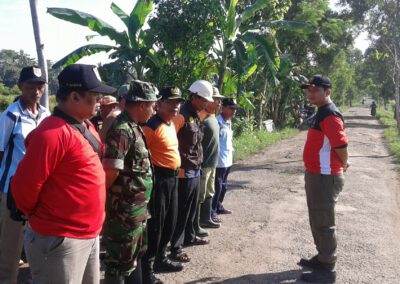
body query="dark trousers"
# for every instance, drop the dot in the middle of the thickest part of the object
(188, 195)
(322, 193)
(163, 207)
(221, 181)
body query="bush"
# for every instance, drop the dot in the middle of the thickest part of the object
(392, 135)
(5, 101)
(251, 142)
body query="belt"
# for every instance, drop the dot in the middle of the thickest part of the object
(166, 172)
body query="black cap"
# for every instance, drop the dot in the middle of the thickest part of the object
(318, 80)
(229, 102)
(32, 74)
(171, 93)
(140, 91)
(83, 77)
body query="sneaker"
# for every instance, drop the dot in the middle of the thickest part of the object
(314, 263)
(167, 265)
(319, 276)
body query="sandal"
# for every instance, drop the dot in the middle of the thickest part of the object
(197, 242)
(216, 219)
(179, 257)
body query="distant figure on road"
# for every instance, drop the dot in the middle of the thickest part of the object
(373, 108)
(325, 158)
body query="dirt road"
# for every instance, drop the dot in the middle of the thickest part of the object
(268, 232)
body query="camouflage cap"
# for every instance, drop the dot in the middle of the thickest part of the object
(140, 91)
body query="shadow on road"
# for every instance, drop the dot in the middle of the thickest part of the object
(290, 276)
(364, 125)
(363, 117)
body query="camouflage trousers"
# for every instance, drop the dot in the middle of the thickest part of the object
(124, 244)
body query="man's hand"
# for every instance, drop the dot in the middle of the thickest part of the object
(343, 156)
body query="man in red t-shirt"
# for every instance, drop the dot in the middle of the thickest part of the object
(60, 184)
(325, 158)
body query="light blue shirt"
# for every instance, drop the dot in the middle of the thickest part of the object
(225, 157)
(15, 122)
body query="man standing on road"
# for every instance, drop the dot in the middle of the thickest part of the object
(325, 158)
(210, 145)
(60, 184)
(16, 122)
(129, 182)
(187, 125)
(162, 141)
(225, 158)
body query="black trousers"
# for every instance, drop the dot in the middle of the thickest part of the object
(163, 207)
(188, 195)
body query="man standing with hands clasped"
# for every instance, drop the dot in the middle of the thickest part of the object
(325, 158)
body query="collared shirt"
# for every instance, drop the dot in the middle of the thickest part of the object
(16, 122)
(163, 143)
(225, 158)
(324, 135)
(187, 125)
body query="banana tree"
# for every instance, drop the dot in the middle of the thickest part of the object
(132, 46)
(230, 30)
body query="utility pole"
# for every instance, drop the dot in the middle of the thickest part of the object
(44, 101)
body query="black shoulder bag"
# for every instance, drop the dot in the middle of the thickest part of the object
(15, 213)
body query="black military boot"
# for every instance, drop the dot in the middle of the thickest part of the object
(148, 276)
(200, 232)
(112, 279)
(314, 263)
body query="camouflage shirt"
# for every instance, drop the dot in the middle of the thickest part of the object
(126, 151)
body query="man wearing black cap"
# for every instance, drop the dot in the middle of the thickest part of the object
(60, 184)
(163, 145)
(129, 179)
(325, 158)
(16, 122)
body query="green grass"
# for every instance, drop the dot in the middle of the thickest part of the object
(391, 133)
(252, 142)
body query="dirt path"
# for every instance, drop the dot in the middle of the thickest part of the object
(268, 232)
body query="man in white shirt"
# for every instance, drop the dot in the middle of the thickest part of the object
(16, 122)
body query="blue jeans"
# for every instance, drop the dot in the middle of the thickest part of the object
(221, 181)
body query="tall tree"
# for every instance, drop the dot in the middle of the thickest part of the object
(132, 46)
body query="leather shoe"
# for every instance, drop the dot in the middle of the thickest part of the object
(167, 265)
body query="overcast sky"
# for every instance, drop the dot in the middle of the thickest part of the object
(60, 37)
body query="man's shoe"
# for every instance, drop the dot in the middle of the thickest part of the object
(209, 224)
(224, 211)
(167, 265)
(314, 263)
(150, 278)
(319, 276)
(197, 242)
(200, 232)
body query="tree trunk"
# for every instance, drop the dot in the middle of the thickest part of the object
(39, 49)
(222, 67)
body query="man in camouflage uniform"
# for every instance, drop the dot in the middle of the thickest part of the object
(129, 180)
